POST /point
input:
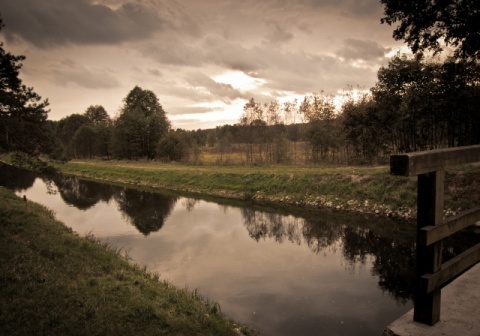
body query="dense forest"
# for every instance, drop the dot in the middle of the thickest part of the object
(416, 104)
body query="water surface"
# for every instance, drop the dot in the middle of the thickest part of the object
(284, 273)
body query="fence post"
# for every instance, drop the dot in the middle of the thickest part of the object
(429, 258)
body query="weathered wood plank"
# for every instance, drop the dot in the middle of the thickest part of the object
(416, 163)
(451, 269)
(434, 233)
(429, 166)
(428, 258)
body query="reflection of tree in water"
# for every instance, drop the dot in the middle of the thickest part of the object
(189, 203)
(16, 178)
(261, 225)
(82, 194)
(393, 260)
(321, 234)
(145, 210)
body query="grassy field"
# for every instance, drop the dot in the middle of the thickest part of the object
(53, 282)
(347, 188)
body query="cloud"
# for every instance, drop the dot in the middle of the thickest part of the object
(219, 91)
(195, 86)
(362, 50)
(346, 7)
(181, 48)
(69, 72)
(51, 23)
(173, 50)
(278, 34)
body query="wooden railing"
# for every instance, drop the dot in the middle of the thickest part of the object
(431, 273)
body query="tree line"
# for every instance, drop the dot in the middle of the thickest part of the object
(134, 134)
(416, 104)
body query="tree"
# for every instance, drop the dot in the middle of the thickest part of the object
(318, 111)
(102, 127)
(172, 147)
(98, 115)
(253, 127)
(84, 141)
(361, 128)
(398, 79)
(141, 124)
(424, 23)
(417, 105)
(23, 114)
(66, 130)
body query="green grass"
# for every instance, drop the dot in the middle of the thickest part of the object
(53, 282)
(340, 187)
(359, 188)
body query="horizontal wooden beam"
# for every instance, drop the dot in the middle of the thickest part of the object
(451, 269)
(416, 163)
(434, 233)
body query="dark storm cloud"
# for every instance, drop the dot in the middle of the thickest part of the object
(172, 50)
(347, 7)
(47, 23)
(213, 49)
(362, 50)
(179, 47)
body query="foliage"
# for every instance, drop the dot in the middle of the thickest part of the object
(322, 134)
(23, 114)
(172, 147)
(263, 131)
(66, 129)
(98, 115)
(141, 124)
(84, 135)
(425, 105)
(83, 141)
(358, 116)
(423, 24)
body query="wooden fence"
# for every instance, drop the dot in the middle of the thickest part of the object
(431, 273)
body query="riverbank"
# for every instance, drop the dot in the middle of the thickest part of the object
(54, 282)
(344, 188)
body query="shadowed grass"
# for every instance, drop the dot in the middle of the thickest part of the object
(53, 282)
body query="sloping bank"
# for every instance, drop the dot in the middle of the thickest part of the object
(355, 189)
(53, 282)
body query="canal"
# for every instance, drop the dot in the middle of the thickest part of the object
(284, 272)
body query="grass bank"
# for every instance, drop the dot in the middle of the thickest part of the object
(53, 282)
(358, 189)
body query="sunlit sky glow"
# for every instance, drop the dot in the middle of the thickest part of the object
(203, 59)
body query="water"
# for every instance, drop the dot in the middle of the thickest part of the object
(284, 273)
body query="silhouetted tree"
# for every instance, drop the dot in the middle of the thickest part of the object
(66, 129)
(97, 115)
(423, 23)
(23, 114)
(141, 124)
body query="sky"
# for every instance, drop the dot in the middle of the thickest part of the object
(202, 58)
